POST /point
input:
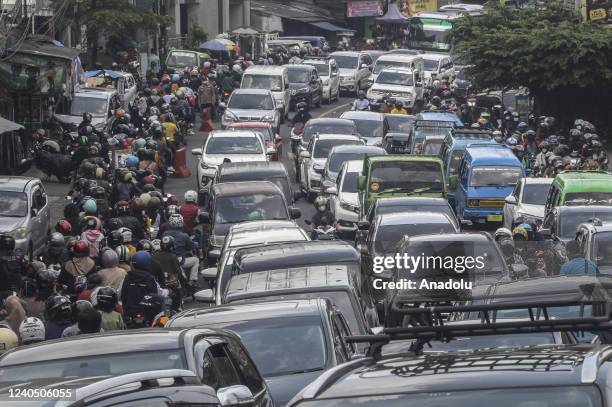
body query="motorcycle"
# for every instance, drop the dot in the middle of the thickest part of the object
(296, 137)
(327, 232)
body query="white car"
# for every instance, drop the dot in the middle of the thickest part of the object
(344, 198)
(313, 158)
(223, 145)
(96, 101)
(526, 201)
(438, 66)
(251, 105)
(403, 85)
(328, 71)
(355, 68)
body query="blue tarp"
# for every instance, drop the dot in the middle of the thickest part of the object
(104, 72)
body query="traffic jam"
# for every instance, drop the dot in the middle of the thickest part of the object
(317, 226)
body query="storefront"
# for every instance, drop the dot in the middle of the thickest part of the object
(362, 14)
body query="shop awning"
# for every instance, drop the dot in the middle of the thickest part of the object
(7, 125)
(300, 11)
(393, 16)
(327, 26)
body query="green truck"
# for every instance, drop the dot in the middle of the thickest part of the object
(179, 59)
(572, 188)
(400, 175)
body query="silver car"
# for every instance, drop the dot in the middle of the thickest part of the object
(526, 201)
(25, 213)
(248, 105)
(344, 200)
(355, 68)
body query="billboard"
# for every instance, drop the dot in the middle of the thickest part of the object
(364, 8)
(411, 7)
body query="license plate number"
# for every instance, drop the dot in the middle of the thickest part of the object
(494, 218)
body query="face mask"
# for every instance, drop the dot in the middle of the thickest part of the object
(321, 208)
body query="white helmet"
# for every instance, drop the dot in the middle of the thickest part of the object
(237, 68)
(207, 65)
(8, 340)
(191, 196)
(31, 330)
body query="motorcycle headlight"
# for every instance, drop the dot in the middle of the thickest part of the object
(19, 233)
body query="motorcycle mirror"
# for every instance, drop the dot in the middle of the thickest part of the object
(306, 221)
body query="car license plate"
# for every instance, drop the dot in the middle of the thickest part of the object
(494, 218)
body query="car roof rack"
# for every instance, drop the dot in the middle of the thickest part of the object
(430, 323)
(146, 380)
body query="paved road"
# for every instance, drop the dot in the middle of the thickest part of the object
(177, 186)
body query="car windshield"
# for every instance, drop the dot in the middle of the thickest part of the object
(182, 59)
(234, 145)
(349, 184)
(369, 128)
(327, 128)
(283, 346)
(588, 198)
(535, 194)
(415, 207)
(271, 82)
(322, 69)
(336, 160)
(382, 65)
(542, 396)
(399, 123)
(432, 146)
(93, 365)
(395, 78)
(13, 204)
(569, 221)
(235, 209)
(323, 147)
(492, 341)
(388, 236)
(408, 176)
(346, 61)
(495, 176)
(603, 249)
(455, 160)
(431, 64)
(250, 101)
(264, 131)
(84, 104)
(299, 76)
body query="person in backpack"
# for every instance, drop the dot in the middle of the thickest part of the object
(111, 274)
(169, 263)
(106, 302)
(93, 236)
(137, 283)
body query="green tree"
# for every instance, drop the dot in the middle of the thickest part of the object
(566, 64)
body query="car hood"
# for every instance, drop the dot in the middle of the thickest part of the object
(346, 71)
(384, 87)
(532, 210)
(283, 388)
(350, 198)
(65, 118)
(8, 224)
(489, 192)
(254, 113)
(217, 159)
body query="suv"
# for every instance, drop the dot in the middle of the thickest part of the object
(307, 337)
(217, 357)
(330, 76)
(234, 202)
(25, 213)
(251, 105)
(96, 101)
(304, 86)
(403, 85)
(355, 68)
(312, 160)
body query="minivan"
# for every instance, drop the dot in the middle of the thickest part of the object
(580, 188)
(486, 176)
(274, 78)
(387, 61)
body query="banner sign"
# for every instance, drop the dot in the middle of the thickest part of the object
(411, 7)
(364, 8)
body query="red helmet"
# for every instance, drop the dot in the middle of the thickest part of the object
(64, 227)
(119, 112)
(171, 200)
(149, 180)
(165, 78)
(81, 248)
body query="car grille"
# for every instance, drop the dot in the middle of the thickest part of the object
(249, 119)
(490, 203)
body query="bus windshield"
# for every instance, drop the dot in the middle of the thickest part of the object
(429, 34)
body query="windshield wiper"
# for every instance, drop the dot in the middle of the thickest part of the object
(315, 369)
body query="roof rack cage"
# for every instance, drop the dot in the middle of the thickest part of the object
(433, 123)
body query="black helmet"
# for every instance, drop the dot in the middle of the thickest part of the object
(115, 239)
(114, 224)
(544, 146)
(78, 307)
(106, 299)
(58, 308)
(399, 104)
(302, 106)
(144, 245)
(86, 131)
(167, 243)
(122, 128)
(151, 144)
(7, 243)
(87, 117)
(435, 100)
(45, 281)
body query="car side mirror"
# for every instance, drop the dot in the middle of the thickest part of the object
(196, 151)
(510, 200)
(206, 296)
(361, 182)
(304, 154)
(295, 213)
(222, 105)
(452, 182)
(34, 212)
(466, 222)
(363, 225)
(331, 191)
(204, 217)
(234, 396)
(209, 273)
(270, 151)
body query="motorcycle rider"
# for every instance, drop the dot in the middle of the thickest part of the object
(58, 312)
(302, 115)
(540, 161)
(183, 247)
(169, 263)
(398, 108)
(111, 274)
(323, 216)
(138, 283)
(190, 210)
(106, 300)
(361, 103)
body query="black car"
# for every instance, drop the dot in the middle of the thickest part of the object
(337, 283)
(307, 337)
(304, 85)
(233, 202)
(273, 171)
(327, 125)
(541, 375)
(217, 357)
(173, 387)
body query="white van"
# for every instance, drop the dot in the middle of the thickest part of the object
(398, 61)
(273, 78)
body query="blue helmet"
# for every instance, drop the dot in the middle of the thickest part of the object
(132, 161)
(522, 126)
(142, 260)
(175, 77)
